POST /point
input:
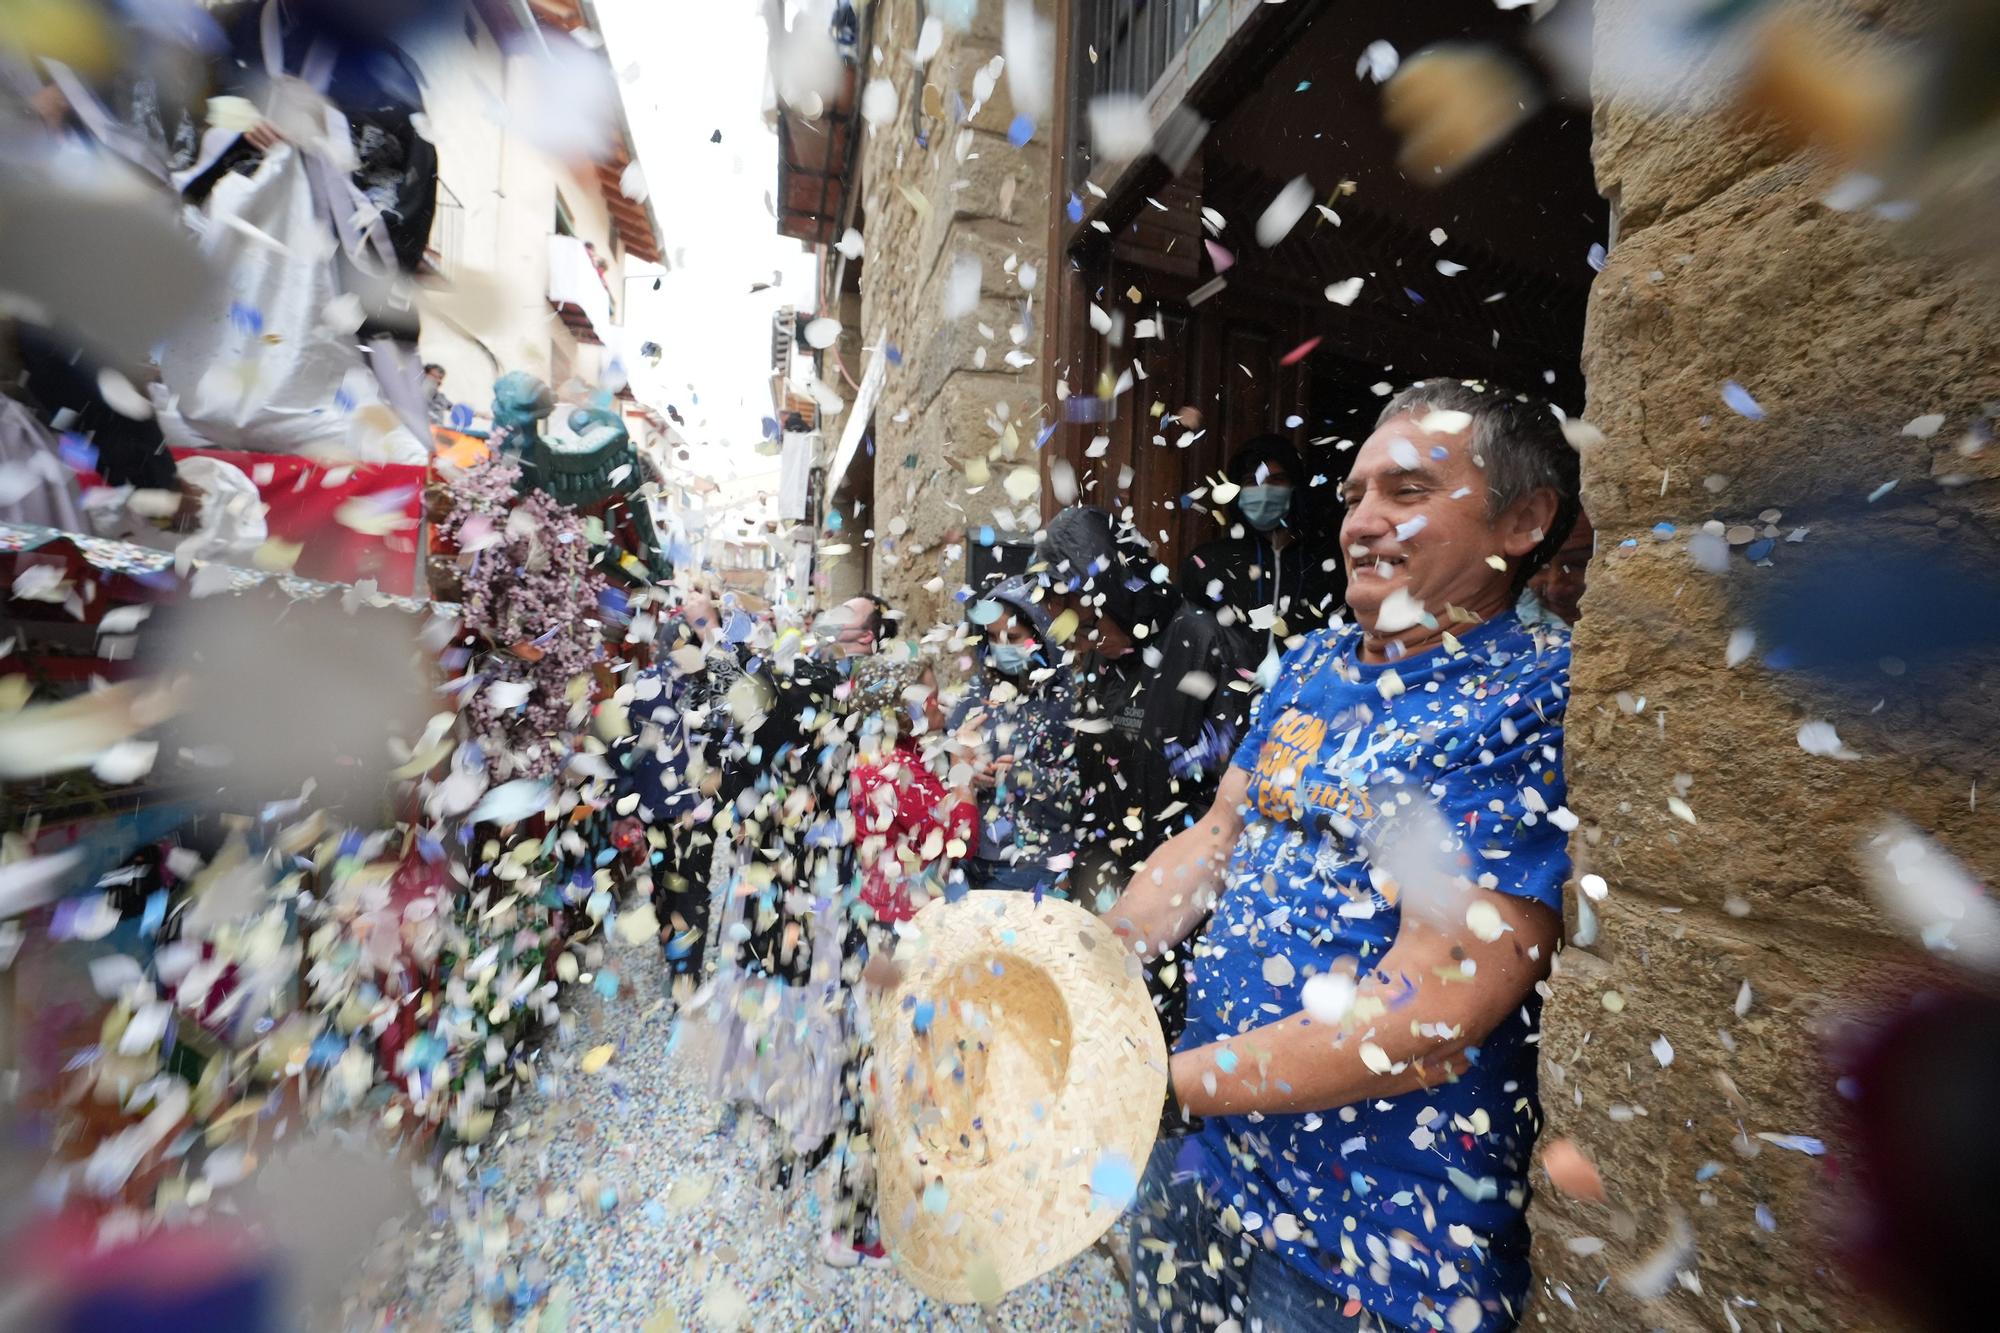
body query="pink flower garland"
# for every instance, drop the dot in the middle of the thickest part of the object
(534, 585)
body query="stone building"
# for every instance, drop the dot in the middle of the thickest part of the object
(1793, 398)
(929, 457)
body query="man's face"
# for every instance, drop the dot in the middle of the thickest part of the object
(1011, 629)
(1095, 631)
(700, 615)
(1417, 522)
(1559, 584)
(853, 627)
(436, 376)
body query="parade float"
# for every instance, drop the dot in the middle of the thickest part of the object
(205, 954)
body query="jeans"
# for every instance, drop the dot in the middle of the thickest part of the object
(1259, 1291)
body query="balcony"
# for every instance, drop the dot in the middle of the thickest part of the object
(1135, 40)
(1131, 47)
(577, 290)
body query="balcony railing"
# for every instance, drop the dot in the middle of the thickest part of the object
(1134, 41)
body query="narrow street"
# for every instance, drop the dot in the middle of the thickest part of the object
(612, 1200)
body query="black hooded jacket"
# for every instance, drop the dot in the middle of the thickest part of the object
(1156, 727)
(1303, 580)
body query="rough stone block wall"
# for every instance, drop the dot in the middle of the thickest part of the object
(1730, 851)
(954, 403)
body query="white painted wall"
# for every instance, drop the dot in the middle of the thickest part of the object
(494, 315)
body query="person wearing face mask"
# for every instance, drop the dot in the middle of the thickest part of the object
(1270, 578)
(1163, 695)
(1014, 724)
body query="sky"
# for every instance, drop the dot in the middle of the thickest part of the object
(689, 68)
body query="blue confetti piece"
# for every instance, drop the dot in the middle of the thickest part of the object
(892, 354)
(926, 1014)
(343, 400)
(246, 319)
(78, 453)
(1595, 256)
(1303, 85)
(987, 536)
(1226, 1061)
(1413, 296)
(1709, 1171)
(1113, 1181)
(834, 520)
(461, 416)
(1074, 209)
(1804, 1143)
(1760, 549)
(156, 912)
(327, 1048)
(1046, 432)
(1020, 131)
(1664, 530)
(1738, 400)
(1881, 491)
(1765, 1219)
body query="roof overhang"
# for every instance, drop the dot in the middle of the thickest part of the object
(634, 219)
(815, 165)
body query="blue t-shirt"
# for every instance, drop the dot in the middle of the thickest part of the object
(1418, 1201)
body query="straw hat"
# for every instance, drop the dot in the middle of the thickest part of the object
(1021, 1070)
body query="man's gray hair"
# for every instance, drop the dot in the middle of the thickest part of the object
(1519, 442)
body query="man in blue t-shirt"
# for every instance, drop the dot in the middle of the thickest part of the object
(1351, 1110)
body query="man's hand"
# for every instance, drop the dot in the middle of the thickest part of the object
(263, 136)
(51, 105)
(986, 776)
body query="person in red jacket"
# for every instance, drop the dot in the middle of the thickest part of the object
(909, 826)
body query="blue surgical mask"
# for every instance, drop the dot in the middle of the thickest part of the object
(1009, 659)
(1264, 507)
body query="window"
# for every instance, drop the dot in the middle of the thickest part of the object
(565, 224)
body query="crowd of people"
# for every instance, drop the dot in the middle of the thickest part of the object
(1317, 786)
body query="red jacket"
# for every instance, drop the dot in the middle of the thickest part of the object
(905, 825)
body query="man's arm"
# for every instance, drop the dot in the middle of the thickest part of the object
(1179, 883)
(1464, 988)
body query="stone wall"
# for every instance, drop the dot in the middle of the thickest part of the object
(962, 192)
(1730, 851)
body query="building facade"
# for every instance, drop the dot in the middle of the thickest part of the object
(534, 252)
(929, 462)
